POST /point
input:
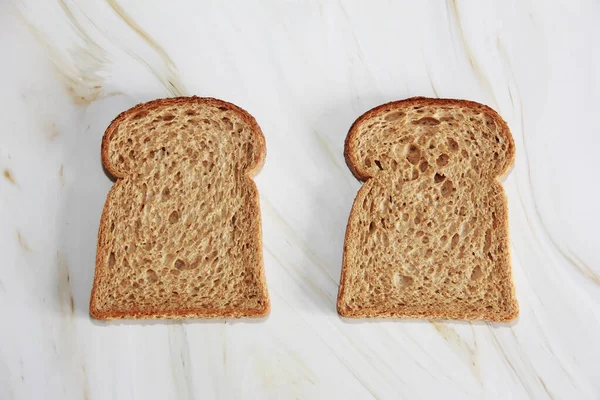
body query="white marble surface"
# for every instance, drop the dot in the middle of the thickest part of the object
(305, 70)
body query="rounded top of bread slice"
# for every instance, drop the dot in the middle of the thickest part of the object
(383, 137)
(136, 135)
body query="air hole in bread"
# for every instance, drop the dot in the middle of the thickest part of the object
(139, 115)
(442, 160)
(394, 116)
(228, 124)
(426, 121)
(401, 281)
(413, 154)
(452, 144)
(151, 276)
(378, 163)
(447, 188)
(174, 217)
(437, 178)
(454, 240)
(423, 166)
(488, 240)
(168, 117)
(371, 227)
(405, 139)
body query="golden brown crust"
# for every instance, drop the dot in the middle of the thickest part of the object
(446, 312)
(250, 172)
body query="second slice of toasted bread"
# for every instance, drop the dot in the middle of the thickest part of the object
(427, 236)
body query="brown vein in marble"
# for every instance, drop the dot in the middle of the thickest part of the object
(23, 243)
(528, 363)
(460, 347)
(580, 266)
(172, 82)
(93, 56)
(9, 176)
(80, 75)
(545, 388)
(61, 175)
(67, 307)
(454, 13)
(64, 284)
(585, 269)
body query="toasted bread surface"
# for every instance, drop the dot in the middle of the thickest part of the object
(180, 233)
(427, 236)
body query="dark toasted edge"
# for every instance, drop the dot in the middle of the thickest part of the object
(247, 117)
(505, 316)
(513, 310)
(424, 101)
(183, 313)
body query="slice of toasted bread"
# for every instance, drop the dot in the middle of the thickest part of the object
(180, 234)
(427, 236)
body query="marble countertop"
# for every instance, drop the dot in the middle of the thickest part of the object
(305, 70)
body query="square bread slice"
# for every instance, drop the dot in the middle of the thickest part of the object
(180, 234)
(427, 236)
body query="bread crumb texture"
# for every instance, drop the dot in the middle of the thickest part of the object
(427, 236)
(180, 234)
